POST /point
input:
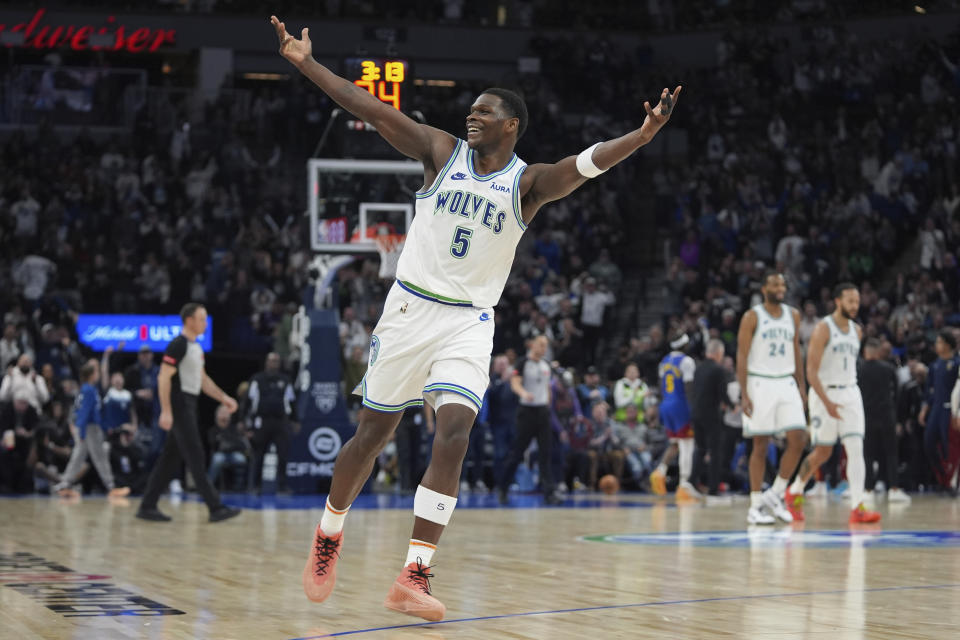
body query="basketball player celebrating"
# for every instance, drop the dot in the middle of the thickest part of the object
(676, 371)
(836, 407)
(435, 336)
(770, 373)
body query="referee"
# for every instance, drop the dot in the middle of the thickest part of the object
(180, 382)
(531, 381)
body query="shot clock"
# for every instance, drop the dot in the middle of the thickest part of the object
(386, 79)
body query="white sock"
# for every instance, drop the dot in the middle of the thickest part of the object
(332, 521)
(756, 498)
(779, 486)
(420, 550)
(856, 469)
(662, 468)
(798, 486)
(685, 447)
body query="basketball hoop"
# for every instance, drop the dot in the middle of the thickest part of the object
(389, 247)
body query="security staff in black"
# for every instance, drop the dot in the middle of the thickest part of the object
(181, 379)
(269, 410)
(879, 387)
(708, 399)
(531, 381)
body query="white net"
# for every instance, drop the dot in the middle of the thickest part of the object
(389, 247)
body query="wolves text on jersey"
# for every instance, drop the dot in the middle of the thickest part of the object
(470, 205)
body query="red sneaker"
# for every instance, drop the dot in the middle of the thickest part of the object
(795, 505)
(410, 594)
(319, 574)
(862, 514)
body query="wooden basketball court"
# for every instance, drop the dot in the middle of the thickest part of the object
(600, 567)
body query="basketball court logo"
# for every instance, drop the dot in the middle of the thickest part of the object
(780, 538)
(324, 444)
(374, 349)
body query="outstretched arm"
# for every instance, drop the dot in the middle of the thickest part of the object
(426, 144)
(549, 182)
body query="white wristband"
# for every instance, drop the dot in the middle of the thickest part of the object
(585, 163)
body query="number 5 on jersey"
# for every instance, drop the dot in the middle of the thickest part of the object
(461, 242)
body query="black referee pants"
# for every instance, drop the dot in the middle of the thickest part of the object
(880, 446)
(183, 445)
(532, 422)
(713, 438)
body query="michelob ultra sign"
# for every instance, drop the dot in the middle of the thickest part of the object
(99, 331)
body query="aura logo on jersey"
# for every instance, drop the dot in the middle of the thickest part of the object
(780, 538)
(99, 331)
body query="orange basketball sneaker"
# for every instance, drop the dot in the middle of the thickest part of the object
(410, 594)
(658, 483)
(862, 514)
(319, 574)
(794, 505)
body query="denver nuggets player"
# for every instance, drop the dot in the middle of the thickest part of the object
(676, 372)
(773, 394)
(836, 407)
(435, 336)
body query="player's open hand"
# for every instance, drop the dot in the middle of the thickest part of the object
(746, 405)
(296, 51)
(658, 116)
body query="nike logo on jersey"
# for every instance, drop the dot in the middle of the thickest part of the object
(484, 316)
(459, 175)
(470, 205)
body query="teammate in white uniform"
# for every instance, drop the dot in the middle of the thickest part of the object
(770, 372)
(435, 336)
(836, 408)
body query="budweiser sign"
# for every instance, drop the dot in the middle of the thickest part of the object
(111, 36)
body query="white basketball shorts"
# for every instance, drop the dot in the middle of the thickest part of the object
(426, 348)
(777, 407)
(825, 430)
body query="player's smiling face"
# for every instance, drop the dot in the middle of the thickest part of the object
(775, 289)
(486, 122)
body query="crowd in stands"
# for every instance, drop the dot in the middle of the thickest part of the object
(822, 162)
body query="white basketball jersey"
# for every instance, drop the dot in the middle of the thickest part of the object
(771, 352)
(464, 236)
(839, 363)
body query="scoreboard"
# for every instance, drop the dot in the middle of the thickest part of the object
(386, 79)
